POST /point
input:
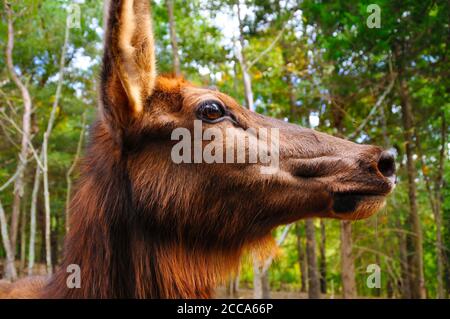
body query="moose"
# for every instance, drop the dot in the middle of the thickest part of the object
(143, 226)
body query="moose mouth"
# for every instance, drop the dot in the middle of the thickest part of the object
(355, 205)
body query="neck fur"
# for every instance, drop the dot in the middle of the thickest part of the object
(120, 257)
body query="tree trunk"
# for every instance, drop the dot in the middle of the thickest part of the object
(301, 259)
(347, 262)
(257, 279)
(23, 241)
(34, 199)
(313, 273)
(173, 39)
(261, 282)
(323, 260)
(243, 62)
(26, 130)
(232, 284)
(10, 269)
(235, 285)
(265, 284)
(47, 134)
(438, 215)
(405, 283)
(16, 209)
(416, 266)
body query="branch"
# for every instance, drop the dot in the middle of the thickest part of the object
(30, 145)
(10, 180)
(266, 50)
(374, 108)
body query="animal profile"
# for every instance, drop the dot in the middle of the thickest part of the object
(143, 226)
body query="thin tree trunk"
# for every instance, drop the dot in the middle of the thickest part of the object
(243, 62)
(16, 209)
(34, 199)
(301, 259)
(10, 269)
(23, 241)
(438, 215)
(261, 282)
(404, 265)
(405, 285)
(235, 74)
(235, 284)
(323, 260)
(265, 284)
(173, 38)
(257, 279)
(439, 200)
(232, 286)
(416, 268)
(26, 129)
(347, 262)
(45, 151)
(313, 273)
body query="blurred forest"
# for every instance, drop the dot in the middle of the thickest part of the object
(329, 65)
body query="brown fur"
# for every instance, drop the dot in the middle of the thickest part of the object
(145, 227)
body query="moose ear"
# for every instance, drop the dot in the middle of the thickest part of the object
(129, 70)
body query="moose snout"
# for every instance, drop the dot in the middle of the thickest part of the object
(386, 164)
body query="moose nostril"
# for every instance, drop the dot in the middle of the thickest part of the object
(386, 164)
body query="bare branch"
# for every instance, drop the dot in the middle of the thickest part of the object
(30, 145)
(374, 108)
(266, 50)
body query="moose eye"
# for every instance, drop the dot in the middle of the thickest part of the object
(210, 111)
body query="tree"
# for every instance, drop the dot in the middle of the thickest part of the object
(243, 62)
(10, 269)
(26, 128)
(301, 253)
(313, 272)
(347, 262)
(173, 38)
(323, 259)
